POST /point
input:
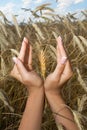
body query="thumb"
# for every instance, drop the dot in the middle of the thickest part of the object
(60, 66)
(22, 70)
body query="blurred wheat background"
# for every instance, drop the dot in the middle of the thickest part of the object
(42, 33)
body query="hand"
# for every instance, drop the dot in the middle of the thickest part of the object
(62, 72)
(23, 70)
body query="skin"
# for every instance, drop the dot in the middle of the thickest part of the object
(53, 85)
(24, 72)
(51, 88)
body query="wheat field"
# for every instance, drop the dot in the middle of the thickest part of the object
(42, 33)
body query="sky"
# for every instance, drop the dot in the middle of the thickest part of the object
(13, 7)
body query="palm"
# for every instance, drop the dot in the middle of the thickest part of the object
(15, 73)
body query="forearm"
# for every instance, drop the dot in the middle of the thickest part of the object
(32, 116)
(62, 113)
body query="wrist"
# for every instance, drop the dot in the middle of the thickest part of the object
(37, 96)
(52, 95)
(54, 100)
(36, 91)
(53, 92)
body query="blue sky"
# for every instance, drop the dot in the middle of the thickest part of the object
(10, 7)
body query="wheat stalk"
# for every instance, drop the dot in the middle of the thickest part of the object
(43, 6)
(60, 127)
(38, 30)
(14, 52)
(42, 36)
(84, 41)
(78, 43)
(81, 81)
(77, 117)
(3, 28)
(4, 98)
(16, 25)
(42, 63)
(81, 102)
(55, 34)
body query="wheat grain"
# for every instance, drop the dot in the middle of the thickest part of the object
(3, 28)
(84, 41)
(16, 25)
(81, 81)
(81, 103)
(38, 30)
(4, 98)
(55, 35)
(14, 52)
(42, 63)
(42, 38)
(78, 43)
(41, 7)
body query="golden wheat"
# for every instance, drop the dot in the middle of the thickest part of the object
(42, 63)
(42, 36)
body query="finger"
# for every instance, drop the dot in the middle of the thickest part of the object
(63, 53)
(23, 49)
(21, 69)
(14, 73)
(65, 77)
(30, 58)
(26, 57)
(68, 68)
(67, 73)
(60, 67)
(58, 54)
(61, 47)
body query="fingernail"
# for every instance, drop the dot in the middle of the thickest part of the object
(15, 60)
(63, 60)
(25, 40)
(60, 39)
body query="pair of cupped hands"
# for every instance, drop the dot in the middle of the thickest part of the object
(24, 72)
